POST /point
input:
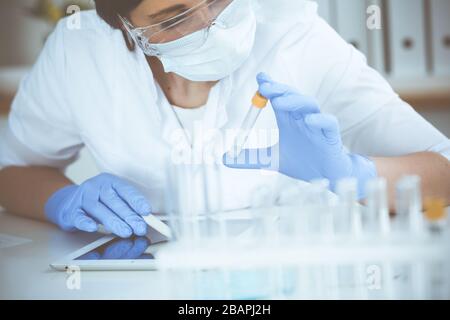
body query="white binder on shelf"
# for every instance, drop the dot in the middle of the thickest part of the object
(440, 30)
(351, 23)
(407, 38)
(326, 11)
(376, 39)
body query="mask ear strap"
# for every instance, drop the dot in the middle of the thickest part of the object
(124, 23)
(131, 44)
(127, 33)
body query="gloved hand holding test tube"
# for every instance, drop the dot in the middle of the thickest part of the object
(310, 146)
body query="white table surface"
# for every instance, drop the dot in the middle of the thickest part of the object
(25, 272)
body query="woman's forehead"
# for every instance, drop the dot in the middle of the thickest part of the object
(163, 9)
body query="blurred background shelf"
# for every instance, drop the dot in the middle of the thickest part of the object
(5, 102)
(407, 41)
(431, 93)
(10, 78)
(423, 100)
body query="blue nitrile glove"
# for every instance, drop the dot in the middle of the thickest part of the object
(104, 199)
(310, 145)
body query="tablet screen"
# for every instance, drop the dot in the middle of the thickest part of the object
(121, 249)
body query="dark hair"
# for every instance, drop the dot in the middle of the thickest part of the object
(109, 10)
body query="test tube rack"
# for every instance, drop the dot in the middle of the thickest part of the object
(320, 249)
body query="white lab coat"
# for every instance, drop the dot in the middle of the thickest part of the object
(88, 90)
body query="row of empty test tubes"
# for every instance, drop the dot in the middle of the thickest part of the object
(320, 211)
(311, 243)
(299, 212)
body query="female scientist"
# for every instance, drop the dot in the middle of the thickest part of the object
(136, 71)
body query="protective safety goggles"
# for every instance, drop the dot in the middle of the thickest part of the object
(201, 16)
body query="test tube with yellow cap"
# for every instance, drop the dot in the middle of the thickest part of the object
(436, 214)
(258, 104)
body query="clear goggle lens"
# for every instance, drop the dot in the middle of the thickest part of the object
(200, 16)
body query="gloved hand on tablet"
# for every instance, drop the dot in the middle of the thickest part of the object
(104, 199)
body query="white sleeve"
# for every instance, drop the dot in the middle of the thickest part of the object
(374, 120)
(40, 129)
(396, 129)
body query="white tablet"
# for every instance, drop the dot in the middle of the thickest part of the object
(112, 253)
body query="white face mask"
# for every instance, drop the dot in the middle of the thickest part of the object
(210, 54)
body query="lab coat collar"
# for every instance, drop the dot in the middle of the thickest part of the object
(216, 115)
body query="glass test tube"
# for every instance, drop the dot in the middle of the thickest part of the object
(347, 191)
(261, 202)
(180, 206)
(409, 203)
(319, 194)
(377, 214)
(318, 199)
(258, 104)
(349, 220)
